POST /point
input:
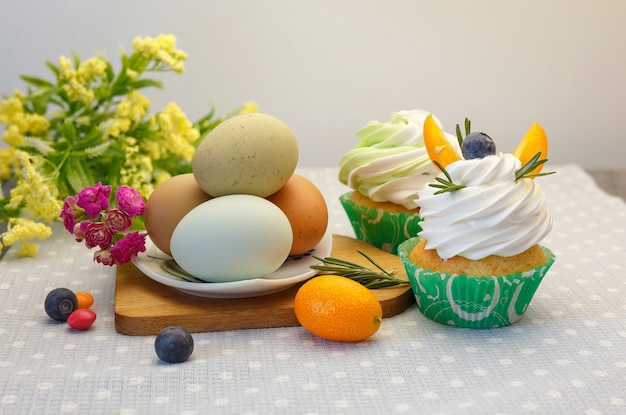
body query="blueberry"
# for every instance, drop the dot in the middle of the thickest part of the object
(477, 146)
(173, 344)
(60, 303)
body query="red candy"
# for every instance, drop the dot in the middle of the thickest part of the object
(81, 319)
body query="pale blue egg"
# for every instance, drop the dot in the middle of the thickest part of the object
(232, 238)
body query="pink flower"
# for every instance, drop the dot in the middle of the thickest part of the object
(104, 257)
(69, 212)
(96, 234)
(118, 220)
(94, 199)
(128, 247)
(87, 216)
(130, 201)
(78, 233)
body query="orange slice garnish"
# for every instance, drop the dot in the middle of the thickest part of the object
(535, 141)
(437, 144)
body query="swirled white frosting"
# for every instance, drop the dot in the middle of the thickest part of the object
(493, 215)
(390, 162)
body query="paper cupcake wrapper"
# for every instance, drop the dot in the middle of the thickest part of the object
(480, 303)
(383, 229)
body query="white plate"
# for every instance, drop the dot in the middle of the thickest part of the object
(294, 270)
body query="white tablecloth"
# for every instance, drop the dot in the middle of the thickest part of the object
(567, 355)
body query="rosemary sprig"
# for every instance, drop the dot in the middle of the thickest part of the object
(468, 130)
(459, 136)
(443, 184)
(364, 276)
(525, 171)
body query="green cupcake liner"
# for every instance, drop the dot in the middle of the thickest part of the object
(383, 229)
(479, 303)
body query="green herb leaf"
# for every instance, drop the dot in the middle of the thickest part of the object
(525, 171)
(364, 276)
(468, 128)
(443, 184)
(459, 137)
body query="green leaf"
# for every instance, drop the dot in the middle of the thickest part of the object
(6, 212)
(208, 117)
(43, 147)
(98, 150)
(78, 174)
(138, 62)
(40, 94)
(69, 130)
(206, 124)
(120, 86)
(35, 81)
(55, 69)
(76, 59)
(109, 72)
(94, 136)
(145, 83)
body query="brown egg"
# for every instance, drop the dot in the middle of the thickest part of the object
(305, 207)
(168, 204)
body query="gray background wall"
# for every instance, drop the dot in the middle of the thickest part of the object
(327, 67)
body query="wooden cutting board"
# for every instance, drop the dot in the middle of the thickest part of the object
(144, 307)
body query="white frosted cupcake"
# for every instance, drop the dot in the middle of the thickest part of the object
(477, 261)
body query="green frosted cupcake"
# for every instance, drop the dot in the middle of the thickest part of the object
(469, 301)
(383, 227)
(385, 170)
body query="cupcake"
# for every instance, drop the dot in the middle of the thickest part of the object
(385, 170)
(477, 261)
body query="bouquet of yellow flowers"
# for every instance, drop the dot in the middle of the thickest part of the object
(91, 124)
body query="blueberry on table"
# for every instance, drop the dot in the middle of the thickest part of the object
(477, 146)
(173, 344)
(60, 303)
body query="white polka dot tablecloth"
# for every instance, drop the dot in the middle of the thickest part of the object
(566, 356)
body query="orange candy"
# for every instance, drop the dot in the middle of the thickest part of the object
(337, 308)
(85, 300)
(535, 141)
(437, 144)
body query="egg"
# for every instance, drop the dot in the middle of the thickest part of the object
(232, 238)
(168, 204)
(253, 154)
(305, 207)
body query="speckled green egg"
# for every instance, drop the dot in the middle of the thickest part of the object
(253, 154)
